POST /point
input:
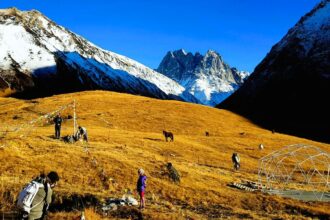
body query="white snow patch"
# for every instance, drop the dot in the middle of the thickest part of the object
(19, 44)
(310, 29)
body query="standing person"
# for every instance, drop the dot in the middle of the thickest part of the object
(141, 187)
(58, 121)
(236, 160)
(34, 199)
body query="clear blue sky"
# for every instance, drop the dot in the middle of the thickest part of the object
(242, 31)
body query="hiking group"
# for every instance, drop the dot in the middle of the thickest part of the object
(34, 200)
(81, 132)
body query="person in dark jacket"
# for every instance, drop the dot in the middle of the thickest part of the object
(58, 122)
(141, 187)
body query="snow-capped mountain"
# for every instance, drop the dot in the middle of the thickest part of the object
(40, 56)
(207, 77)
(290, 88)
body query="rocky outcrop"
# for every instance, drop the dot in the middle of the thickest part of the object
(207, 77)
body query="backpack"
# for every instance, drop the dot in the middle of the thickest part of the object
(237, 158)
(26, 196)
(69, 139)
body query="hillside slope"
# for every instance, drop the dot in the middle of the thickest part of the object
(40, 58)
(125, 133)
(289, 88)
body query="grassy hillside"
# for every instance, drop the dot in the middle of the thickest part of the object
(125, 133)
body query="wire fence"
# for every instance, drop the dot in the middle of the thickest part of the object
(9, 215)
(26, 129)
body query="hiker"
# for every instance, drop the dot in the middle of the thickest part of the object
(141, 186)
(82, 132)
(236, 160)
(33, 201)
(58, 121)
(173, 173)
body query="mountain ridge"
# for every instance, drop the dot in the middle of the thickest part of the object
(207, 77)
(33, 42)
(288, 89)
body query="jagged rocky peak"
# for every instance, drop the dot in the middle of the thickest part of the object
(213, 60)
(26, 17)
(179, 53)
(10, 12)
(177, 62)
(213, 54)
(206, 77)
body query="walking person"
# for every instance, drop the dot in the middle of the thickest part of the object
(141, 187)
(58, 122)
(33, 201)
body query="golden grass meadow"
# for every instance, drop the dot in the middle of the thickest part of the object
(125, 133)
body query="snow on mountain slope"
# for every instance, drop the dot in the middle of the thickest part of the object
(289, 89)
(33, 45)
(207, 77)
(310, 27)
(19, 45)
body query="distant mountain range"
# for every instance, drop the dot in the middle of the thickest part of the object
(39, 58)
(208, 77)
(290, 89)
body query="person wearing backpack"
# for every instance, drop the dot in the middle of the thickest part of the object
(33, 201)
(58, 122)
(141, 187)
